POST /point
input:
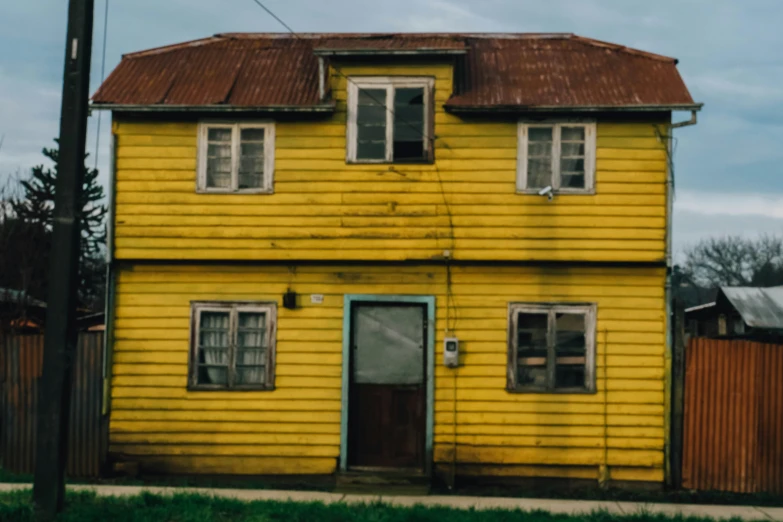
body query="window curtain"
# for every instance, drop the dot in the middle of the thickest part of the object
(251, 348)
(214, 345)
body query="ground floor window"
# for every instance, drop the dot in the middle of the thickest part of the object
(551, 348)
(232, 345)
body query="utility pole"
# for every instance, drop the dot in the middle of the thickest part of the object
(61, 333)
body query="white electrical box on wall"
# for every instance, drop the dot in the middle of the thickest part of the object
(451, 352)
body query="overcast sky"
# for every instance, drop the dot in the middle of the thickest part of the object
(728, 175)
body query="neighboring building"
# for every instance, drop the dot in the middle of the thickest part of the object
(20, 312)
(739, 312)
(300, 223)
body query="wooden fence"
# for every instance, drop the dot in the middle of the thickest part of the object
(733, 418)
(21, 358)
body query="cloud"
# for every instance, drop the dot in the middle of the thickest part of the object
(445, 16)
(699, 214)
(720, 204)
(30, 111)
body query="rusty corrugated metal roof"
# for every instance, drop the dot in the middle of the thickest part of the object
(502, 71)
(566, 71)
(223, 70)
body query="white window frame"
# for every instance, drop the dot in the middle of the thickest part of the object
(551, 309)
(233, 308)
(236, 127)
(389, 83)
(590, 150)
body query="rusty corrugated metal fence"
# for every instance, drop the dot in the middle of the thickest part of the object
(733, 434)
(21, 357)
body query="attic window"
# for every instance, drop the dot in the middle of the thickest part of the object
(557, 155)
(236, 157)
(389, 120)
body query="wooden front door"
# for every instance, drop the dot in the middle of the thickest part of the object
(387, 402)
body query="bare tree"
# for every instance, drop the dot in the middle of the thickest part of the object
(736, 261)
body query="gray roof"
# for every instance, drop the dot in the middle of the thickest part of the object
(759, 307)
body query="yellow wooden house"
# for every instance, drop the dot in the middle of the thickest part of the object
(443, 254)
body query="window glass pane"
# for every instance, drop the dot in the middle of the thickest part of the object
(572, 165)
(539, 157)
(209, 375)
(409, 123)
(214, 341)
(570, 350)
(251, 149)
(572, 134)
(371, 124)
(251, 159)
(251, 375)
(250, 331)
(389, 344)
(569, 149)
(219, 134)
(251, 347)
(252, 135)
(532, 349)
(219, 151)
(539, 172)
(214, 329)
(572, 180)
(539, 149)
(539, 134)
(371, 150)
(219, 163)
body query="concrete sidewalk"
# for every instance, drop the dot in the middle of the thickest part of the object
(569, 507)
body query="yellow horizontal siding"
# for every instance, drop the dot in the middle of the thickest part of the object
(296, 427)
(323, 208)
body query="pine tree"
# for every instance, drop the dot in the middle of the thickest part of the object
(36, 207)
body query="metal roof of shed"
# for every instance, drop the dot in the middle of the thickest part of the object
(759, 307)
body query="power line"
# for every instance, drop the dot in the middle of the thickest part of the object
(103, 77)
(273, 15)
(431, 139)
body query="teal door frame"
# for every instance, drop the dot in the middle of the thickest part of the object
(348, 301)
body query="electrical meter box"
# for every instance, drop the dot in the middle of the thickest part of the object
(451, 352)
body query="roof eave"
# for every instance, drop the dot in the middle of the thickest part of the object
(388, 52)
(573, 108)
(700, 307)
(322, 108)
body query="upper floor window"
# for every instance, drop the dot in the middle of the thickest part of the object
(389, 120)
(236, 157)
(557, 155)
(232, 345)
(551, 348)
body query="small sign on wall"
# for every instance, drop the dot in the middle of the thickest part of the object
(317, 298)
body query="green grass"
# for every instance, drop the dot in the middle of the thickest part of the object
(86, 507)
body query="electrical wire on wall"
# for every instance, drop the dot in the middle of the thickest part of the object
(603, 474)
(449, 328)
(670, 142)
